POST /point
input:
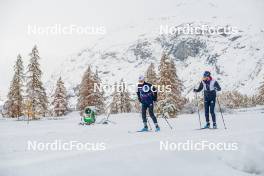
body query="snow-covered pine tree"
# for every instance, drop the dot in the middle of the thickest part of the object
(125, 99)
(87, 94)
(115, 104)
(14, 104)
(150, 75)
(36, 94)
(260, 98)
(169, 101)
(136, 105)
(99, 98)
(86, 89)
(177, 86)
(121, 102)
(60, 102)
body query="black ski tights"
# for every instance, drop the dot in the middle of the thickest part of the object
(209, 104)
(151, 113)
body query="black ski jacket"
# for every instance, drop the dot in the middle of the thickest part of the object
(153, 90)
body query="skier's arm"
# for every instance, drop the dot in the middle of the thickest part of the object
(138, 94)
(199, 88)
(217, 86)
(155, 94)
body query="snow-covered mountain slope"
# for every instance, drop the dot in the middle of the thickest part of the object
(1, 103)
(236, 60)
(133, 153)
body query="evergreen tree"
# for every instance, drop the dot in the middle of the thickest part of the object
(88, 95)
(150, 75)
(36, 95)
(115, 104)
(121, 102)
(177, 86)
(14, 103)
(98, 95)
(171, 101)
(86, 89)
(260, 98)
(60, 102)
(125, 99)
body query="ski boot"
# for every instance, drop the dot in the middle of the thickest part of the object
(214, 126)
(144, 129)
(157, 128)
(207, 125)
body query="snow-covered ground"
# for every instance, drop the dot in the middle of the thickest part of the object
(134, 153)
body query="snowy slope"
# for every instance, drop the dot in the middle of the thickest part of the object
(236, 60)
(134, 154)
(1, 103)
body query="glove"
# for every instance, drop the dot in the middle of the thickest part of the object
(195, 90)
(216, 89)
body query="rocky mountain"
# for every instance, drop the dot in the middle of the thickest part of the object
(235, 59)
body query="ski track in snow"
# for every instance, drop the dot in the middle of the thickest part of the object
(137, 153)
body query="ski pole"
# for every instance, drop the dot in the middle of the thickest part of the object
(165, 117)
(149, 125)
(198, 109)
(221, 112)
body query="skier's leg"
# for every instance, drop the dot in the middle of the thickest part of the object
(206, 110)
(212, 107)
(144, 115)
(153, 117)
(151, 113)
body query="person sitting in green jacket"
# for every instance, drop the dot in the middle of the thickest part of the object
(89, 115)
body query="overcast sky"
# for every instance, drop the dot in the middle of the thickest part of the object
(16, 15)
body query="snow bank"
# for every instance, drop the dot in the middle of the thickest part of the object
(133, 153)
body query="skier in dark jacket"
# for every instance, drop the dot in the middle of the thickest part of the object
(210, 86)
(147, 94)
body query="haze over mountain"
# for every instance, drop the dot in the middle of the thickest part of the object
(236, 60)
(132, 32)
